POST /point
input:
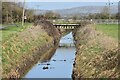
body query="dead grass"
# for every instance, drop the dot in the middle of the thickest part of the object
(22, 45)
(96, 55)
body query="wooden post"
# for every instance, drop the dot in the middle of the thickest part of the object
(109, 9)
(23, 13)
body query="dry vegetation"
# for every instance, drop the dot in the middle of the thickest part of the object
(22, 45)
(97, 54)
(27, 45)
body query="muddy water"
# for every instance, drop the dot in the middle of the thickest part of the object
(59, 66)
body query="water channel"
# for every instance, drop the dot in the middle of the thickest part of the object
(60, 65)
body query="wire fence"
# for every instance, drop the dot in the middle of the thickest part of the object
(95, 21)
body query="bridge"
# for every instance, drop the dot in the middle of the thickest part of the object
(66, 26)
(66, 45)
(95, 21)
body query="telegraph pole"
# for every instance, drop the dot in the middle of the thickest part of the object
(23, 13)
(109, 9)
(12, 13)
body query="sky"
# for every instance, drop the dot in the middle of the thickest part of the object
(64, 0)
(63, 5)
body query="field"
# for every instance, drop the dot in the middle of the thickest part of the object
(109, 29)
(12, 29)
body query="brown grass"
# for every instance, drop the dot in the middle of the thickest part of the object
(96, 54)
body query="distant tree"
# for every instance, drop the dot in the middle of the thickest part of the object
(75, 17)
(39, 17)
(29, 15)
(52, 15)
(105, 10)
(12, 12)
(117, 15)
(105, 13)
(91, 16)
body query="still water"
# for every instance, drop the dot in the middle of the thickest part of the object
(59, 66)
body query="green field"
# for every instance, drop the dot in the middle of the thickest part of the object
(109, 29)
(12, 29)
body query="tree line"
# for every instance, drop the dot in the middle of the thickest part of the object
(12, 13)
(104, 14)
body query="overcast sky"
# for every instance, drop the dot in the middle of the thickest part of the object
(65, 0)
(64, 4)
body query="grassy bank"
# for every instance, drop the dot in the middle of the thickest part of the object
(19, 44)
(9, 32)
(97, 52)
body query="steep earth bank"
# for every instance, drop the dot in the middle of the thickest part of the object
(96, 54)
(26, 48)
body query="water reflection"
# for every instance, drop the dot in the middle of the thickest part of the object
(59, 66)
(67, 39)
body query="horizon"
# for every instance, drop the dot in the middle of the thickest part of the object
(64, 5)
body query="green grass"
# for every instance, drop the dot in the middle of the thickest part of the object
(17, 45)
(108, 29)
(12, 29)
